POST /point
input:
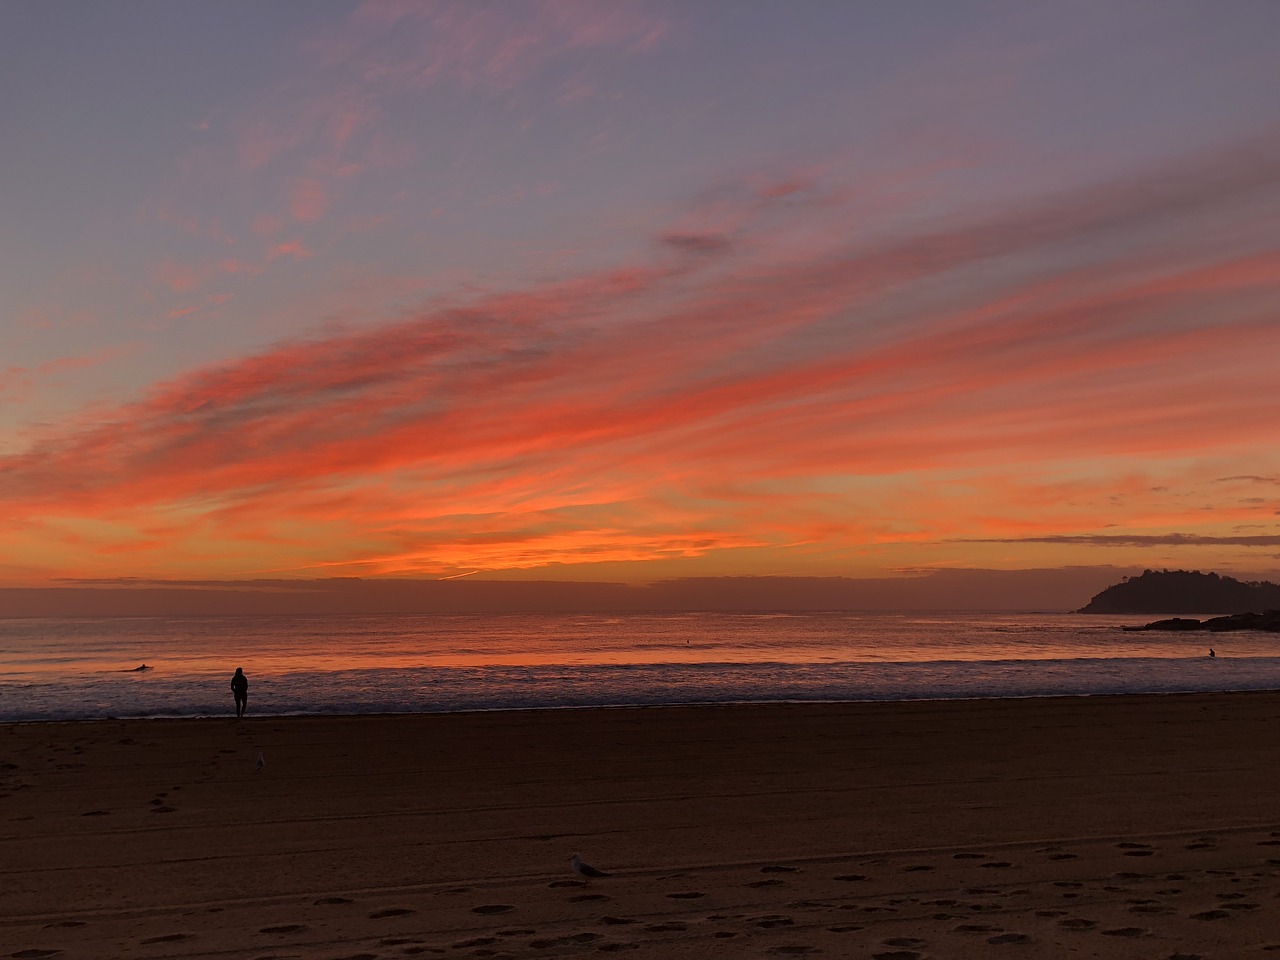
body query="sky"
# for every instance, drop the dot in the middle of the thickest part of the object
(607, 291)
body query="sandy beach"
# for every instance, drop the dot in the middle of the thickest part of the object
(1102, 827)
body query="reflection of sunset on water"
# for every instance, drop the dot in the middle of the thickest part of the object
(80, 668)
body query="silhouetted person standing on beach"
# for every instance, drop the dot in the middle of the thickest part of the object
(240, 687)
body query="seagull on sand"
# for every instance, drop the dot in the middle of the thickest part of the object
(262, 762)
(585, 870)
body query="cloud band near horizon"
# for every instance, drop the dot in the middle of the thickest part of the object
(1023, 376)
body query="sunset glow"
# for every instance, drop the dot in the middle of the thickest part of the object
(586, 291)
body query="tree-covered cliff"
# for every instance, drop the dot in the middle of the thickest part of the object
(1184, 591)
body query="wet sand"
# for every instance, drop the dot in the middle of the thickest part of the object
(1106, 827)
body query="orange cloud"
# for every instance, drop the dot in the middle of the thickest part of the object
(722, 399)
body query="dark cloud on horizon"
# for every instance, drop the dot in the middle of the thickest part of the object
(1134, 540)
(940, 589)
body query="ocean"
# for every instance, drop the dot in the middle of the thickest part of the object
(62, 669)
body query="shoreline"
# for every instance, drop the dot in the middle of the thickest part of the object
(772, 827)
(693, 704)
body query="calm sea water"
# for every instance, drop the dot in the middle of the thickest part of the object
(83, 668)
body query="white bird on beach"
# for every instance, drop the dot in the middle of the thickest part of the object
(262, 762)
(584, 869)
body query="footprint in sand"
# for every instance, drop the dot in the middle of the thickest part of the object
(565, 941)
(978, 928)
(64, 924)
(671, 927)
(611, 921)
(778, 868)
(850, 877)
(168, 938)
(896, 955)
(1126, 932)
(691, 895)
(328, 901)
(998, 863)
(724, 934)
(35, 954)
(391, 912)
(917, 868)
(489, 908)
(1009, 938)
(284, 928)
(1063, 856)
(903, 942)
(96, 813)
(1210, 915)
(968, 856)
(766, 883)
(773, 920)
(477, 942)
(1077, 923)
(615, 947)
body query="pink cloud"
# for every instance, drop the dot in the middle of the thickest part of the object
(481, 46)
(308, 200)
(293, 249)
(178, 277)
(17, 381)
(720, 398)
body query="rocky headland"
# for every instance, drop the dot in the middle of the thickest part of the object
(1190, 591)
(1270, 620)
(1184, 591)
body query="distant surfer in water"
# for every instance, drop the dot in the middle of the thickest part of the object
(240, 688)
(1211, 653)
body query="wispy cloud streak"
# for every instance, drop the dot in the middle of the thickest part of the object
(656, 409)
